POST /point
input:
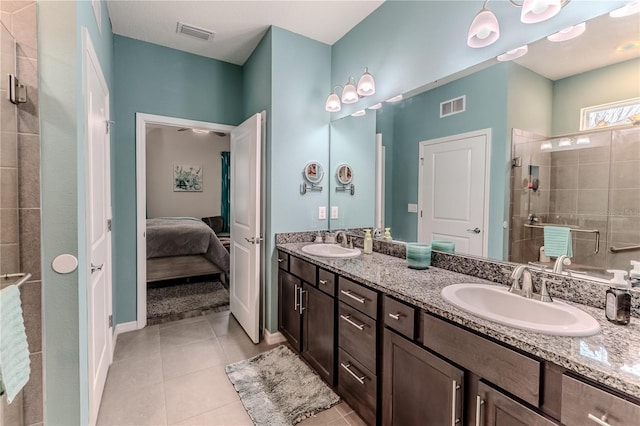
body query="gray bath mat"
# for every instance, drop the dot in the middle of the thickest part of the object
(175, 302)
(277, 388)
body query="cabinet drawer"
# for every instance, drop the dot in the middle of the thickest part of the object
(302, 269)
(357, 386)
(283, 260)
(399, 317)
(361, 298)
(514, 372)
(582, 402)
(357, 335)
(327, 281)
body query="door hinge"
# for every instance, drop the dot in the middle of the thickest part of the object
(109, 225)
(108, 125)
(420, 213)
(110, 321)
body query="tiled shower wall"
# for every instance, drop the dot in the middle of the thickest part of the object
(20, 201)
(594, 188)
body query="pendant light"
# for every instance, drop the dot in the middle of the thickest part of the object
(510, 55)
(333, 102)
(534, 11)
(484, 29)
(568, 33)
(349, 93)
(366, 84)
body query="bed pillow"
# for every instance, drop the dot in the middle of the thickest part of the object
(214, 222)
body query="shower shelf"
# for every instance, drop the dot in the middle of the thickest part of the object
(573, 228)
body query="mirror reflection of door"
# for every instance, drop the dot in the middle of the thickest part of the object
(313, 172)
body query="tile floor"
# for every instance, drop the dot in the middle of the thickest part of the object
(173, 374)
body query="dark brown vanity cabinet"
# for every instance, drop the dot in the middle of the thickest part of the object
(307, 314)
(418, 387)
(493, 408)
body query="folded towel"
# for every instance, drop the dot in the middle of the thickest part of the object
(443, 245)
(557, 241)
(14, 350)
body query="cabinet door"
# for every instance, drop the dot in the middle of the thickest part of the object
(496, 409)
(318, 325)
(289, 288)
(418, 387)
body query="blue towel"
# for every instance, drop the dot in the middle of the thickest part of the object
(557, 241)
(14, 350)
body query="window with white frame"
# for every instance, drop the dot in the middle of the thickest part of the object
(619, 113)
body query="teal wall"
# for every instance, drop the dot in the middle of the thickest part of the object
(418, 119)
(353, 143)
(157, 80)
(407, 44)
(301, 70)
(609, 84)
(530, 101)
(62, 128)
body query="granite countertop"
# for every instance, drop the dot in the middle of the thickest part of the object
(611, 357)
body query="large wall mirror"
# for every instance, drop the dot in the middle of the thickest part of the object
(526, 103)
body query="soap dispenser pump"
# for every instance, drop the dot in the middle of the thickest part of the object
(618, 298)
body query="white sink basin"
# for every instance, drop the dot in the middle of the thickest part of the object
(330, 250)
(497, 304)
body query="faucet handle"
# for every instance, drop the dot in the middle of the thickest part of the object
(544, 293)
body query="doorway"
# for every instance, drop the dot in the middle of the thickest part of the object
(453, 191)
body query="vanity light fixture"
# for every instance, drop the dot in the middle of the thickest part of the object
(583, 140)
(568, 33)
(546, 145)
(485, 29)
(201, 131)
(512, 54)
(359, 113)
(564, 142)
(376, 106)
(396, 98)
(350, 92)
(627, 10)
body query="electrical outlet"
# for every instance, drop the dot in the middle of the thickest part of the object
(322, 212)
(412, 208)
(334, 212)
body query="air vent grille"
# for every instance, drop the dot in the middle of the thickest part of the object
(453, 106)
(193, 31)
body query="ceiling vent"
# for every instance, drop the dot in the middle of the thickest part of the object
(193, 31)
(453, 106)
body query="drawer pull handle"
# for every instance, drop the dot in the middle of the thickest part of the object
(280, 260)
(348, 319)
(323, 281)
(396, 316)
(302, 308)
(355, 376)
(454, 402)
(295, 297)
(602, 421)
(479, 404)
(351, 295)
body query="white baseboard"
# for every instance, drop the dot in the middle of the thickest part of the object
(123, 328)
(273, 338)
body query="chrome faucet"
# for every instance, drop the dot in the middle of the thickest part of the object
(343, 242)
(561, 262)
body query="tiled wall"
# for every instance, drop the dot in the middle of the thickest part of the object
(20, 202)
(594, 188)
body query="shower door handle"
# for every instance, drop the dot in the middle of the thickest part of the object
(475, 230)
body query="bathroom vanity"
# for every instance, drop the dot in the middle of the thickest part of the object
(399, 354)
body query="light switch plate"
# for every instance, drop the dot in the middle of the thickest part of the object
(334, 212)
(322, 212)
(412, 208)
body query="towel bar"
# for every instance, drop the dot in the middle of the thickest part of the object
(24, 277)
(621, 249)
(573, 228)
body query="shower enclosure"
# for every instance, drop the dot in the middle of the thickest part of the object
(589, 182)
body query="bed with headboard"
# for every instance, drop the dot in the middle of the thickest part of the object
(180, 247)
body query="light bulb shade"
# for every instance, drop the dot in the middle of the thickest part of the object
(366, 84)
(513, 54)
(349, 94)
(628, 10)
(333, 103)
(568, 33)
(539, 10)
(484, 29)
(359, 113)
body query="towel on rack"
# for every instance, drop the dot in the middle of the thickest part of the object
(14, 349)
(557, 241)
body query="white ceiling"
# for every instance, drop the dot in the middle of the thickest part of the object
(239, 25)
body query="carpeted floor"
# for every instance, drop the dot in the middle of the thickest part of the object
(185, 300)
(278, 388)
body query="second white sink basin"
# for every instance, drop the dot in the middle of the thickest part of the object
(497, 304)
(330, 250)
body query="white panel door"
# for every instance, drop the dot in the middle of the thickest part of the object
(453, 190)
(244, 288)
(96, 96)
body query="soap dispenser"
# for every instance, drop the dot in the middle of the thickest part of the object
(634, 273)
(368, 242)
(387, 236)
(618, 298)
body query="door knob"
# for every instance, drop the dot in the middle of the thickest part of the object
(95, 268)
(254, 240)
(475, 230)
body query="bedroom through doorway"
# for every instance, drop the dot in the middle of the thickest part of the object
(183, 210)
